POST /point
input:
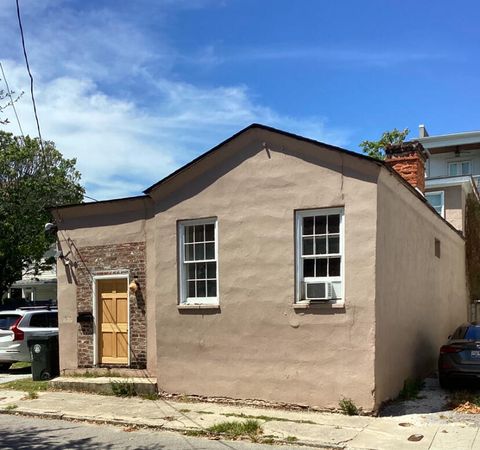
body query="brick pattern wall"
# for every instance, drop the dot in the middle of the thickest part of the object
(408, 160)
(127, 258)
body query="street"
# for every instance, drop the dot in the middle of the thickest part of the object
(18, 432)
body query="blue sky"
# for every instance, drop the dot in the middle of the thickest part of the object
(134, 89)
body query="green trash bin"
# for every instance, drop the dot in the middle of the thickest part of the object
(44, 354)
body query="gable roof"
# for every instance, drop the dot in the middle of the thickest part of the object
(258, 126)
(265, 128)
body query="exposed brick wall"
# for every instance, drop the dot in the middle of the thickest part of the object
(408, 160)
(127, 258)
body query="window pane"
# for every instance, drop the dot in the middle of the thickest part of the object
(53, 317)
(452, 169)
(210, 232)
(307, 226)
(316, 290)
(199, 252)
(321, 267)
(201, 288)
(465, 168)
(308, 267)
(188, 234)
(189, 252)
(320, 245)
(210, 251)
(334, 223)
(334, 244)
(308, 246)
(191, 289)
(39, 320)
(191, 271)
(320, 224)
(334, 267)
(211, 270)
(201, 271)
(211, 288)
(199, 234)
(434, 199)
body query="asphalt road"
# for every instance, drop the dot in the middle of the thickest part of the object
(22, 433)
(15, 374)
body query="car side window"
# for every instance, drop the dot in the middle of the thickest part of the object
(39, 320)
(53, 320)
(459, 333)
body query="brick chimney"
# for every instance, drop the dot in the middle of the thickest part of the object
(408, 160)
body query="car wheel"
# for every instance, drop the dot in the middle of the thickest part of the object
(445, 383)
(4, 366)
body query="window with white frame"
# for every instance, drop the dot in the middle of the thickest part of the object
(198, 268)
(436, 199)
(459, 168)
(320, 255)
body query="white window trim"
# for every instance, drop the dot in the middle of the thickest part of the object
(299, 279)
(459, 163)
(183, 299)
(442, 195)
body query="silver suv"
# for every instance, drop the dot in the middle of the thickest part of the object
(18, 327)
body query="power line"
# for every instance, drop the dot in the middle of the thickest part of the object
(12, 102)
(31, 78)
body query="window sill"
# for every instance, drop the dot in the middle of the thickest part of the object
(193, 306)
(306, 305)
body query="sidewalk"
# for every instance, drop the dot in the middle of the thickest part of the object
(314, 429)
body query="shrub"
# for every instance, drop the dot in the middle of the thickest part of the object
(348, 407)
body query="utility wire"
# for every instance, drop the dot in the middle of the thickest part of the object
(9, 93)
(31, 79)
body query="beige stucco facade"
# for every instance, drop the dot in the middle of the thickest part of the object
(420, 297)
(257, 344)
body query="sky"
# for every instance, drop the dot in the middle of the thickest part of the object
(136, 89)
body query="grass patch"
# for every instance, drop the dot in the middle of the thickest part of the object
(291, 439)
(31, 395)
(268, 418)
(204, 412)
(20, 365)
(123, 389)
(411, 389)
(250, 428)
(26, 385)
(11, 407)
(348, 407)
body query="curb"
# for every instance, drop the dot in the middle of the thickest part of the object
(122, 422)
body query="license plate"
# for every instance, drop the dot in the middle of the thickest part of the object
(475, 354)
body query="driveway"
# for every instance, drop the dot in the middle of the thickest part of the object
(15, 374)
(431, 407)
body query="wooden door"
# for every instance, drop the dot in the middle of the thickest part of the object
(113, 324)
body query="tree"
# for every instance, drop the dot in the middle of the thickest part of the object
(31, 180)
(376, 149)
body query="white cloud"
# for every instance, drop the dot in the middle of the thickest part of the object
(122, 149)
(106, 95)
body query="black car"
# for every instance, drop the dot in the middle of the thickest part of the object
(460, 357)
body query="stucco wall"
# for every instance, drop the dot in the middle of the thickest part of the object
(257, 345)
(420, 298)
(106, 226)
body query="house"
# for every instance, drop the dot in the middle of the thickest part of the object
(453, 172)
(272, 267)
(37, 288)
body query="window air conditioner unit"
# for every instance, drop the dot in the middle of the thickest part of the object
(321, 291)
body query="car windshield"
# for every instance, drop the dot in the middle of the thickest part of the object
(473, 333)
(7, 320)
